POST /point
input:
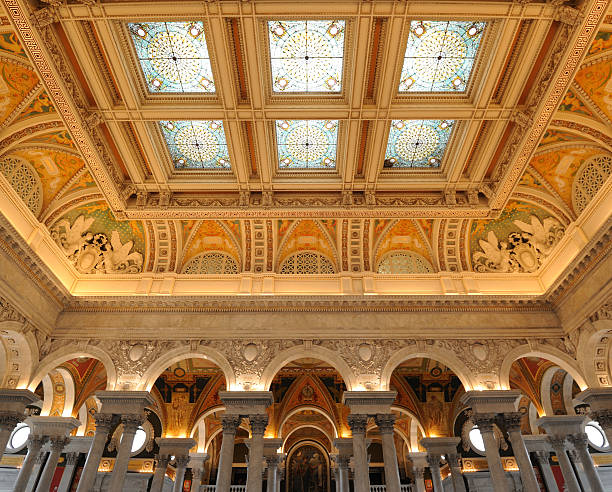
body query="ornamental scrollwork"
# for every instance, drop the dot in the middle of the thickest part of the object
(95, 253)
(522, 251)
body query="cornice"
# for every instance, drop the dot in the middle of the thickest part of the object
(29, 262)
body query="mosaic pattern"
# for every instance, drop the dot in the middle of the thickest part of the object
(306, 56)
(307, 144)
(173, 56)
(417, 143)
(440, 55)
(198, 144)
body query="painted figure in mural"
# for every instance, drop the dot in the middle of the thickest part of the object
(308, 471)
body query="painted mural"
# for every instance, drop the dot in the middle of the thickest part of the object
(40, 105)
(571, 102)
(307, 235)
(210, 236)
(307, 470)
(596, 81)
(404, 235)
(16, 82)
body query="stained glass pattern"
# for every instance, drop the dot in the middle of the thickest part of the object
(196, 144)
(306, 56)
(440, 55)
(307, 144)
(173, 56)
(417, 143)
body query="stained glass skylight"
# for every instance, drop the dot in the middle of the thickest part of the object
(306, 56)
(417, 143)
(173, 56)
(307, 144)
(440, 55)
(198, 144)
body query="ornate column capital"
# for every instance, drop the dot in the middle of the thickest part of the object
(58, 443)
(385, 422)
(258, 424)
(542, 456)
(36, 442)
(484, 421)
(433, 460)
(181, 461)
(358, 423)
(579, 440)
(8, 420)
(419, 472)
(230, 423)
(557, 442)
(512, 421)
(162, 460)
(342, 461)
(603, 417)
(72, 459)
(104, 422)
(131, 422)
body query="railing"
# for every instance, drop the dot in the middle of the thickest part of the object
(213, 488)
(383, 488)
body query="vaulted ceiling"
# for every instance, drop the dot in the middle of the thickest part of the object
(115, 171)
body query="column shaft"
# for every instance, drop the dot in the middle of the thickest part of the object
(226, 456)
(543, 458)
(196, 480)
(130, 425)
(419, 478)
(38, 464)
(455, 469)
(571, 482)
(513, 425)
(385, 424)
(57, 444)
(181, 465)
(485, 423)
(342, 478)
(273, 462)
(360, 453)
(104, 422)
(604, 419)
(255, 470)
(160, 472)
(66, 481)
(34, 445)
(580, 444)
(434, 466)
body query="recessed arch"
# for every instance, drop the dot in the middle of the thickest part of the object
(306, 426)
(449, 359)
(315, 352)
(302, 408)
(166, 360)
(594, 349)
(64, 354)
(552, 354)
(19, 355)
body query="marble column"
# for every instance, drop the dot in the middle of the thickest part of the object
(447, 446)
(196, 463)
(130, 422)
(12, 407)
(486, 425)
(256, 452)
(580, 442)
(57, 445)
(571, 482)
(385, 422)
(513, 426)
(419, 463)
(434, 465)
(343, 458)
(358, 425)
(71, 460)
(543, 458)
(160, 472)
(181, 466)
(39, 462)
(35, 444)
(273, 462)
(104, 424)
(600, 404)
(226, 456)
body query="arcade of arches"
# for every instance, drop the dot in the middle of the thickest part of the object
(315, 246)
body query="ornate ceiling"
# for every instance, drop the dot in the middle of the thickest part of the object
(90, 181)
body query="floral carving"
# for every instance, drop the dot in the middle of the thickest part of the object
(522, 251)
(95, 253)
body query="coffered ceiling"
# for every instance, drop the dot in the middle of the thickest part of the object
(346, 152)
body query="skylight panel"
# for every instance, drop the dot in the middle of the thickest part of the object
(198, 144)
(440, 55)
(306, 56)
(307, 144)
(173, 56)
(417, 143)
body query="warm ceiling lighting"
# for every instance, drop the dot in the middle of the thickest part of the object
(417, 143)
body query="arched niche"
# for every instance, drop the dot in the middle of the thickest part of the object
(315, 352)
(18, 353)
